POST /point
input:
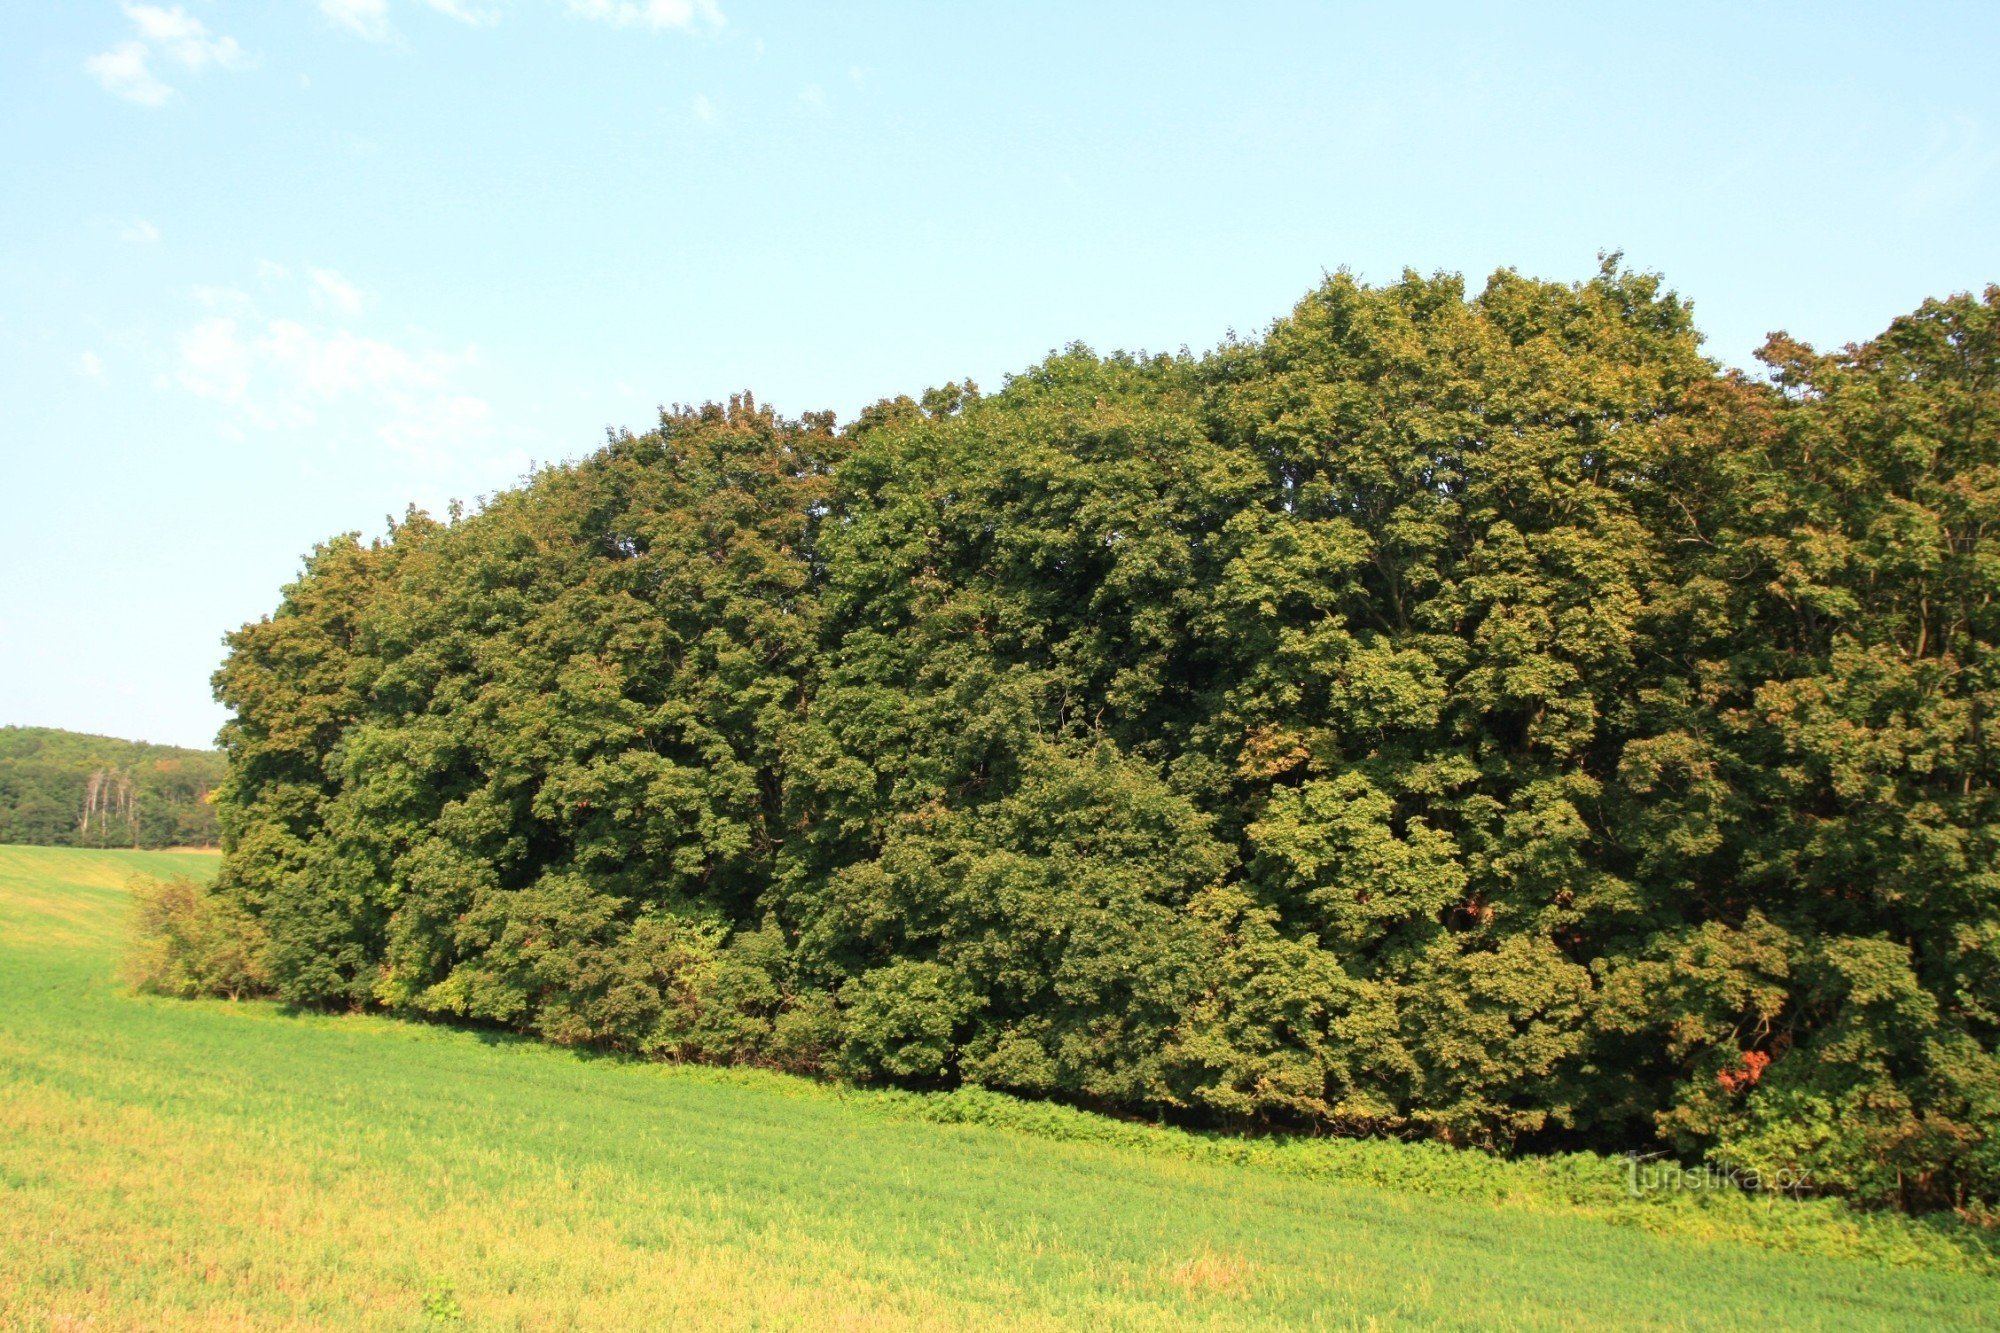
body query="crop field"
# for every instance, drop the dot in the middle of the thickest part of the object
(207, 1164)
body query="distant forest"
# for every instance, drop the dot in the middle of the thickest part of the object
(1466, 715)
(64, 789)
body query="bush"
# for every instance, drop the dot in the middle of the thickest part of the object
(190, 942)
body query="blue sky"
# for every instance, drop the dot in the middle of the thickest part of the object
(269, 272)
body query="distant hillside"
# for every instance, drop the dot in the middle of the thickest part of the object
(64, 789)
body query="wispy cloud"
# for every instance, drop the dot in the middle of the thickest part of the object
(228, 300)
(371, 19)
(92, 366)
(704, 110)
(1955, 159)
(215, 363)
(465, 13)
(171, 36)
(124, 71)
(286, 371)
(649, 13)
(437, 427)
(139, 232)
(182, 38)
(329, 289)
(367, 19)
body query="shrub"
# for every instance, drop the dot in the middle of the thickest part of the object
(189, 941)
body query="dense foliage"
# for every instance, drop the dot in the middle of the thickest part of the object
(1475, 717)
(189, 941)
(62, 789)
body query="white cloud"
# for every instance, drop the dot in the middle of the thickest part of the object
(649, 13)
(465, 13)
(364, 18)
(280, 372)
(327, 366)
(813, 96)
(214, 362)
(330, 289)
(139, 232)
(183, 38)
(432, 429)
(230, 300)
(370, 19)
(126, 70)
(123, 72)
(704, 110)
(92, 366)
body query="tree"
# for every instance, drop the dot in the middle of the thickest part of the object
(1470, 715)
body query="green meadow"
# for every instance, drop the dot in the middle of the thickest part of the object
(170, 1164)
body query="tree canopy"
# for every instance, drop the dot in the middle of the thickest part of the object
(1470, 715)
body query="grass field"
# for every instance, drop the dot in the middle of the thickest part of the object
(170, 1164)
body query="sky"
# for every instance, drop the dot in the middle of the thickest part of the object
(271, 272)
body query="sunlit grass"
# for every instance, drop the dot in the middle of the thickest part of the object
(205, 1164)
